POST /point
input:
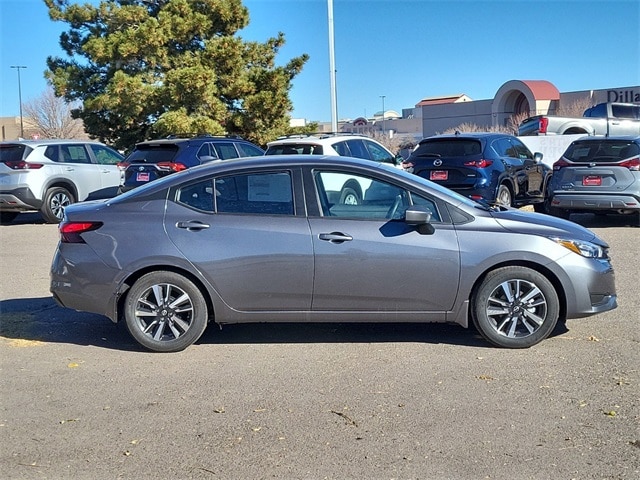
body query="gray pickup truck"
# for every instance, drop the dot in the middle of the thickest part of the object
(603, 119)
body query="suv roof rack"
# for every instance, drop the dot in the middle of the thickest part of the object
(200, 135)
(321, 135)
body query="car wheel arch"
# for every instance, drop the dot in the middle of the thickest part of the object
(555, 281)
(62, 183)
(133, 277)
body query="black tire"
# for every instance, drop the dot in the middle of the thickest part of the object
(545, 205)
(560, 212)
(515, 307)
(349, 196)
(503, 197)
(8, 217)
(54, 202)
(165, 312)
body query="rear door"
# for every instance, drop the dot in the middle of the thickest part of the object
(75, 164)
(242, 232)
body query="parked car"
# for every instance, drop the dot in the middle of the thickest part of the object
(49, 175)
(346, 145)
(154, 159)
(598, 175)
(258, 240)
(495, 168)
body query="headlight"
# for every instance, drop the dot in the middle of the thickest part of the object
(586, 249)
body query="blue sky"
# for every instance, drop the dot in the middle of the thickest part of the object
(405, 50)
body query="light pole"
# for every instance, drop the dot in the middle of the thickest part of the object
(384, 129)
(18, 67)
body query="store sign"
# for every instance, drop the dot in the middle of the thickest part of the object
(623, 96)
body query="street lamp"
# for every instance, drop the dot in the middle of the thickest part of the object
(384, 129)
(18, 67)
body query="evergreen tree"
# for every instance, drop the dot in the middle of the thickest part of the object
(148, 68)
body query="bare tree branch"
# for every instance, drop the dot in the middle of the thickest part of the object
(50, 117)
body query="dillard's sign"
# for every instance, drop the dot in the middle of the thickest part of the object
(623, 96)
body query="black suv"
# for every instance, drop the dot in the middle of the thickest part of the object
(492, 168)
(154, 159)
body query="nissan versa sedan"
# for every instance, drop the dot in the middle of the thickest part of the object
(264, 239)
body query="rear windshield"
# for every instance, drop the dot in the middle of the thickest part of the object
(601, 151)
(152, 153)
(13, 153)
(449, 148)
(294, 149)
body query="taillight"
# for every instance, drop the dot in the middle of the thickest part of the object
(632, 164)
(560, 164)
(122, 165)
(22, 165)
(173, 166)
(543, 123)
(408, 166)
(71, 232)
(484, 163)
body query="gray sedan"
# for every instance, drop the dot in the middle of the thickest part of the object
(267, 239)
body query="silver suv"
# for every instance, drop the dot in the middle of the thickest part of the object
(47, 175)
(343, 145)
(598, 175)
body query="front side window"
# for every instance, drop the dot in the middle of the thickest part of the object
(256, 193)
(378, 153)
(522, 152)
(248, 150)
(355, 196)
(104, 155)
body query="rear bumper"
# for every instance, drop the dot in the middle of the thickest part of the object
(592, 202)
(19, 199)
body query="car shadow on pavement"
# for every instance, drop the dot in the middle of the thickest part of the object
(42, 320)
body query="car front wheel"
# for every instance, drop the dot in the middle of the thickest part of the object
(55, 200)
(165, 311)
(515, 307)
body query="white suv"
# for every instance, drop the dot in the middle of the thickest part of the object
(344, 145)
(47, 175)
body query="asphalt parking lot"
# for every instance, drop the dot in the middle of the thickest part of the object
(80, 399)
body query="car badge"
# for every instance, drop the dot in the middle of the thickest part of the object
(141, 169)
(437, 163)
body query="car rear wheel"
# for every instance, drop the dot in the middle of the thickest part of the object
(560, 212)
(165, 312)
(55, 200)
(515, 307)
(504, 196)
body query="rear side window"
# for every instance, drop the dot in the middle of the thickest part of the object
(358, 149)
(294, 149)
(601, 151)
(265, 194)
(153, 153)
(13, 153)
(449, 148)
(226, 150)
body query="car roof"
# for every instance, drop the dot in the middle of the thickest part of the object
(316, 138)
(49, 141)
(468, 136)
(197, 139)
(628, 138)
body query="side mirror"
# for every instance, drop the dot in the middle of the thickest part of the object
(207, 158)
(537, 157)
(421, 219)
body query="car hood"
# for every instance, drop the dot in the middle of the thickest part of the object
(530, 223)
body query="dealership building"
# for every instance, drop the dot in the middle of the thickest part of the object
(434, 115)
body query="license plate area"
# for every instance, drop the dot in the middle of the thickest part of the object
(591, 181)
(142, 177)
(439, 175)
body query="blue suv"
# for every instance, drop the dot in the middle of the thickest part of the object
(154, 159)
(493, 168)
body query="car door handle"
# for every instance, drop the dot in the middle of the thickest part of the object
(192, 225)
(335, 237)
